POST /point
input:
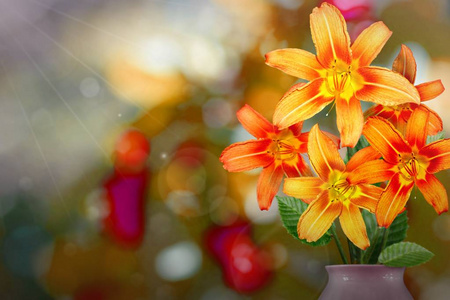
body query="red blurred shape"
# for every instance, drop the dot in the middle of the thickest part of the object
(126, 200)
(132, 151)
(191, 153)
(354, 10)
(91, 293)
(245, 267)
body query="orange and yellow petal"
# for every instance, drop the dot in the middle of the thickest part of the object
(369, 43)
(295, 62)
(300, 104)
(385, 139)
(372, 172)
(367, 196)
(247, 155)
(417, 128)
(305, 188)
(405, 64)
(323, 154)
(430, 90)
(350, 120)
(362, 156)
(254, 122)
(385, 87)
(393, 200)
(435, 124)
(268, 185)
(374, 110)
(434, 192)
(318, 217)
(353, 225)
(296, 167)
(330, 36)
(437, 155)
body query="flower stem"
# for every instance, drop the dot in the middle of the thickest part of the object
(366, 257)
(385, 238)
(339, 245)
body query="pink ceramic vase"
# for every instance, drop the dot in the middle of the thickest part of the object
(368, 282)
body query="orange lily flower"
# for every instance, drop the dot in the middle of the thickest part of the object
(338, 73)
(398, 115)
(277, 151)
(407, 162)
(338, 191)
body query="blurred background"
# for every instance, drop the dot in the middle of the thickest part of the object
(113, 116)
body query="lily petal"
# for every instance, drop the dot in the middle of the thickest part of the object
(247, 155)
(405, 64)
(300, 104)
(296, 167)
(374, 110)
(385, 139)
(438, 154)
(417, 128)
(350, 120)
(305, 188)
(370, 42)
(382, 86)
(393, 200)
(318, 217)
(367, 197)
(353, 225)
(435, 124)
(323, 154)
(254, 122)
(268, 185)
(430, 90)
(362, 156)
(295, 62)
(434, 192)
(372, 172)
(330, 36)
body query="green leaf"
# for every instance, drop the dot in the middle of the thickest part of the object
(291, 209)
(397, 233)
(362, 143)
(404, 254)
(434, 138)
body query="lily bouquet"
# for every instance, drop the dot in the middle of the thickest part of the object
(394, 146)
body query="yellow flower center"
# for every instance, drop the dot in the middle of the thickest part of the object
(339, 189)
(341, 81)
(412, 166)
(285, 146)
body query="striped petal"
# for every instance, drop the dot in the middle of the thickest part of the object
(430, 90)
(372, 172)
(254, 122)
(268, 185)
(385, 139)
(393, 200)
(362, 156)
(382, 86)
(323, 154)
(353, 225)
(367, 197)
(247, 155)
(318, 217)
(295, 62)
(434, 192)
(374, 110)
(296, 167)
(405, 64)
(300, 104)
(330, 36)
(417, 128)
(435, 124)
(438, 155)
(305, 188)
(350, 120)
(370, 42)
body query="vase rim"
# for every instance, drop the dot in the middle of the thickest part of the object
(360, 266)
